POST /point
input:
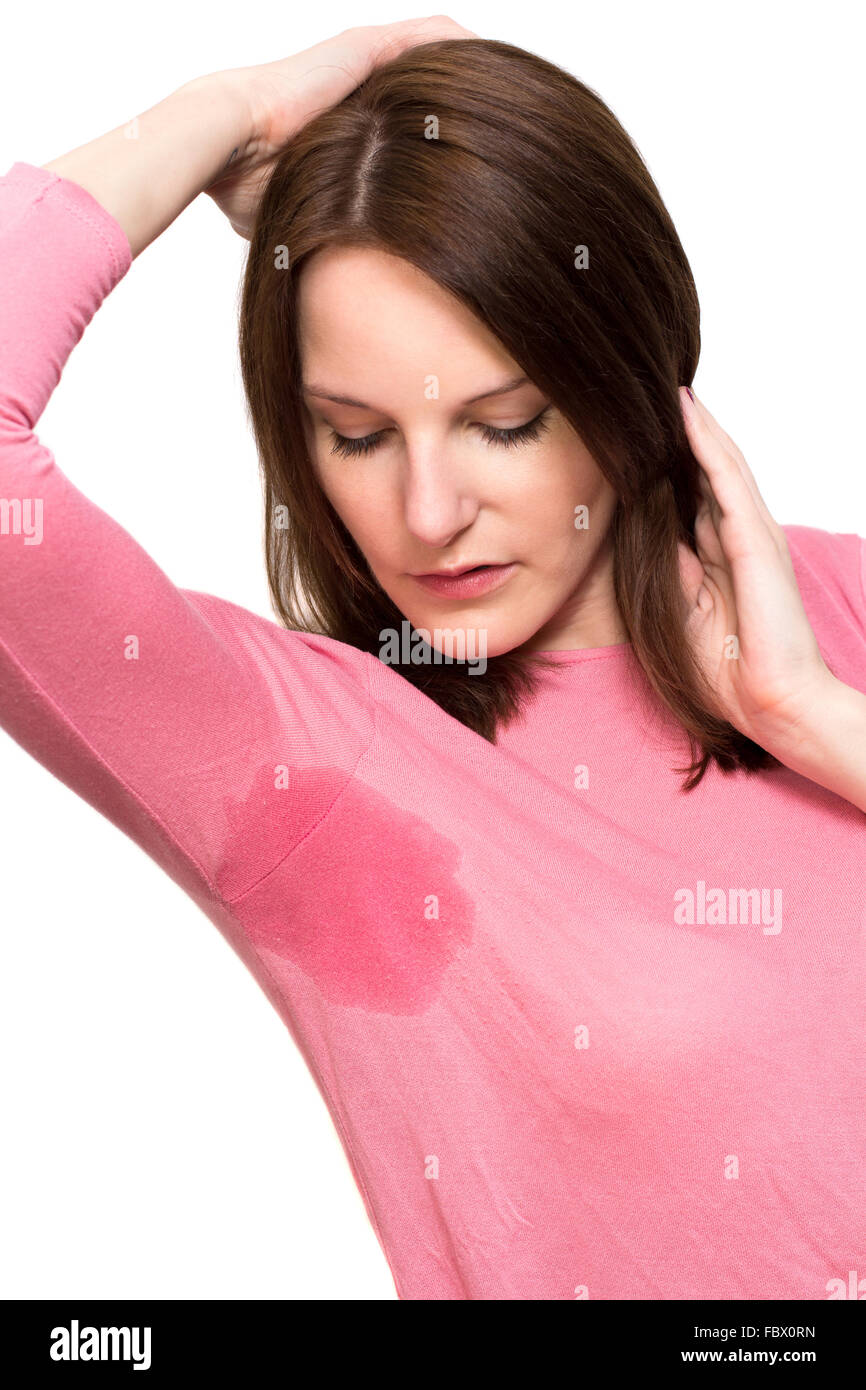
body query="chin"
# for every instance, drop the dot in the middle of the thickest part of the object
(484, 635)
(485, 629)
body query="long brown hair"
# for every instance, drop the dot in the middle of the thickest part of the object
(487, 167)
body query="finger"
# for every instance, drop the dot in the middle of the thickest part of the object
(707, 498)
(775, 531)
(736, 453)
(406, 33)
(733, 494)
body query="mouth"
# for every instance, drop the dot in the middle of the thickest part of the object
(467, 583)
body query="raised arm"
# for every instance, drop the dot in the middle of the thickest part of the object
(169, 711)
(213, 737)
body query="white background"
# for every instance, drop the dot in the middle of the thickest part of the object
(161, 1137)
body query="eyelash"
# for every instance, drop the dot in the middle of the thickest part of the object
(506, 439)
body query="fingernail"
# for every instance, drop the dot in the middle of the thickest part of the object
(691, 397)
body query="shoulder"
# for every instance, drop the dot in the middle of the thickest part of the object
(308, 659)
(830, 565)
(830, 568)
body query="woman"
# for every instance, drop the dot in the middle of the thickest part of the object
(540, 819)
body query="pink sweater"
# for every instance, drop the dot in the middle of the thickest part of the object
(581, 1034)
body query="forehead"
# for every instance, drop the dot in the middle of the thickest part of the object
(336, 276)
(358, 305)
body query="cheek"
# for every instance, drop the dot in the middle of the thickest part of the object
(361, 509)
(563, 480)
(578, 482)
(562, 512)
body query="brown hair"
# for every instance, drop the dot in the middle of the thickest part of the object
(527, 163)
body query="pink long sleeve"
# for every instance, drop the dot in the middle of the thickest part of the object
(187, 721)
(581, 1035)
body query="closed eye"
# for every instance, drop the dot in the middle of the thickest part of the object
(506, 439)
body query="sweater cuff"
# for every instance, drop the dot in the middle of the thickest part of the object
(45, 183)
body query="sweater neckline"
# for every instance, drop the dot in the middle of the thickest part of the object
(573, 655)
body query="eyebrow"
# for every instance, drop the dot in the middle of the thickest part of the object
(314, 389)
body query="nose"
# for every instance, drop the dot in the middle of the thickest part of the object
(439, 502)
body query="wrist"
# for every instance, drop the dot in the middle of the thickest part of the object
(226, 104)
(829, 744)
(147, 171)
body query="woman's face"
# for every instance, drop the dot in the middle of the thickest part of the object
(436, 489)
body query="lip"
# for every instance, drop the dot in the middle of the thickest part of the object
(481, 580)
